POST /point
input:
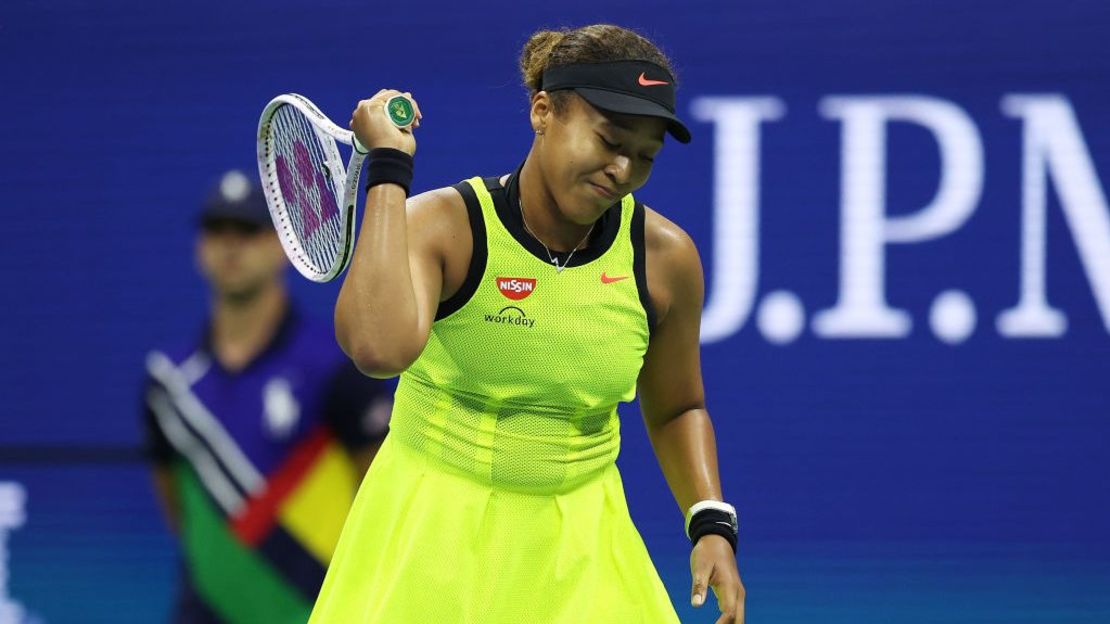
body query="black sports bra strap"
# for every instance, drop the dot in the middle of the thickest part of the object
(478, 255)
(493, 184)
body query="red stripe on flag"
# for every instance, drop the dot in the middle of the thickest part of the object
(260, 514)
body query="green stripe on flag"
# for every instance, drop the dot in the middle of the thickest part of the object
(234, 580)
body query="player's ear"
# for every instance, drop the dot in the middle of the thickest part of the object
(541, 112)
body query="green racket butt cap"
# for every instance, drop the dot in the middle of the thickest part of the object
(401, 111)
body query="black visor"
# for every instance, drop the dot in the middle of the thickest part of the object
(629, 87)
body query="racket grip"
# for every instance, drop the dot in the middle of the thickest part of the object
(400, 111)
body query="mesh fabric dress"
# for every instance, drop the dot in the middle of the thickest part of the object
(495, 498)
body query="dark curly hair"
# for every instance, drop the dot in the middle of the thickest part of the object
(597, 43)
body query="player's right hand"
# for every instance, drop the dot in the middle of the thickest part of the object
(373, 128)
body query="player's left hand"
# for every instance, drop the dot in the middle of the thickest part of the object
(714, 565)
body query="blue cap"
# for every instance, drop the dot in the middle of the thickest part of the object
(236, 198)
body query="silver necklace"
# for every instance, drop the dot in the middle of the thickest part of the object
(553, 259)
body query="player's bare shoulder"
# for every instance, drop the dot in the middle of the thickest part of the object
(661, 235)
(437, 215)
(672, 263)
(438, 224)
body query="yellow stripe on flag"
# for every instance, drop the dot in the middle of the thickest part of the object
(315, 511)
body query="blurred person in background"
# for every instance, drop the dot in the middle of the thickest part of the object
(259, 429)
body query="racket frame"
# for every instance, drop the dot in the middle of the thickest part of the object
(345, 183)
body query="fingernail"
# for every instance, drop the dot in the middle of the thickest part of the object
(698, 599)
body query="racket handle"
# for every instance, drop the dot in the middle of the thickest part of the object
(400, 111)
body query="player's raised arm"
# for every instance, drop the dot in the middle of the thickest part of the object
(388, 299)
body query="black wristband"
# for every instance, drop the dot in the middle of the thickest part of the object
(389, 165)
(713, 522)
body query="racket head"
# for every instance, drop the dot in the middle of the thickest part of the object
(309, 192)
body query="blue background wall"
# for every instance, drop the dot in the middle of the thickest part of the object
(899, 479)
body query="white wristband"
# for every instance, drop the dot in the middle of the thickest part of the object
(709, 504)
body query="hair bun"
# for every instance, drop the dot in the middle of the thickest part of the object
(536, 54)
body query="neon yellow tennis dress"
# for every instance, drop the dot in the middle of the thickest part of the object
(495, 498)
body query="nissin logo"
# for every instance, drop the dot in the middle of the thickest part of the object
(516, 288)
(1054, 160)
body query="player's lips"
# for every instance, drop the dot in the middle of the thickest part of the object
(603, 191)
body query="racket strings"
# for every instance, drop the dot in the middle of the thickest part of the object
(304, 174)
(301, 165)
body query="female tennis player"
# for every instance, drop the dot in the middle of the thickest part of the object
(519, 311)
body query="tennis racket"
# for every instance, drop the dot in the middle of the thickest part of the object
(310, 193)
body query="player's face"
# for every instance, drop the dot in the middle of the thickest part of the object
(592, 158)
(237, 259)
